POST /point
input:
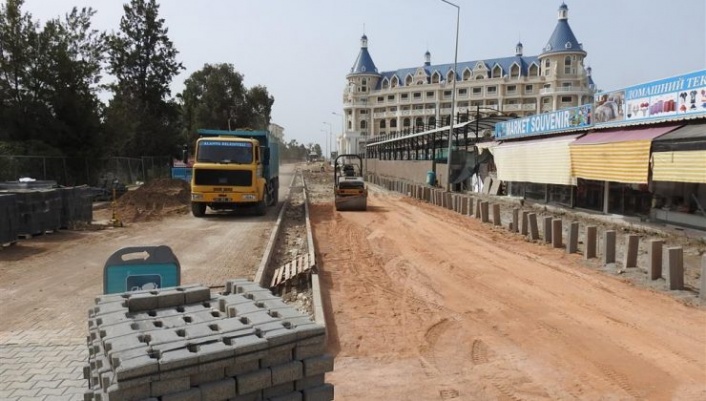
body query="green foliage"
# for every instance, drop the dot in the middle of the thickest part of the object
(142, 58)
(214, 97)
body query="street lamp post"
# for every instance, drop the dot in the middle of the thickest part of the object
(330, 130)
(343, 126)
(453, 100)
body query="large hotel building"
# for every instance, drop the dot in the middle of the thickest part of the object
(379, 103)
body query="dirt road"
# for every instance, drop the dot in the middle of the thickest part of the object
(428, 305)
(48, 283)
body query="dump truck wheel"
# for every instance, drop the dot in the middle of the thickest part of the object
(198, 209)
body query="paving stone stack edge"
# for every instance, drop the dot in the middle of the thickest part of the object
(185, 343)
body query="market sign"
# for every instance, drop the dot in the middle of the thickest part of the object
(565, 120)
(666, 99)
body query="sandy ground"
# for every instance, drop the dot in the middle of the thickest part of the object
(426, 304)
(48, 283)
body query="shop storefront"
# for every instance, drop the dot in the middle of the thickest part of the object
(679, 177)
(619, 158)
(538, 169)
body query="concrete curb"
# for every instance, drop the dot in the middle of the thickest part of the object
(269, 249)
(317, 301)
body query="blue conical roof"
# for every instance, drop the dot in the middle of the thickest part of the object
(364, 63)
(562, 39)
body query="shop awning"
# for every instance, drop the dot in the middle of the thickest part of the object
(680, 156)
(615, 155)
(688, 137)
(541, 161)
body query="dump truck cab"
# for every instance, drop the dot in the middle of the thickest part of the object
(234, 169)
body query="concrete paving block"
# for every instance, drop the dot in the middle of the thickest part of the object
(218, 390)
(675, 268)
(312, 330)
(213, 351)
(279, 336)
(278, 390)
(116, 393)
(287, 372)
(321, 393)
(632, 243)
(158, 337)
(524, 227)
(318, 365)
(278, 355)
(192, 394)
(310, 381)
(123, 343)
(246, 344)
(232, 283)
(186, 371)
(143, 302)
(178, 358)
(244, 308)
(111, 307)
(196, 294)
(168, 298)
(163, 387)
(655, 257)
(137, 367)
(208, 376)
(241, 286)
(547, 229)
(591, 238)
(284, 312)
(240, 367)
(257, 317)
(293, 396)
(232, 299)
(533, 228)
(117, 330)
(308, 351)
(253, 381)
(557, 233)
(200, 330)
(254, 396)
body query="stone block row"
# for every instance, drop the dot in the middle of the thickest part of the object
(184, 344)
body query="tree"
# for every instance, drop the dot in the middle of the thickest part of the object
(215, 97)
(142, 59)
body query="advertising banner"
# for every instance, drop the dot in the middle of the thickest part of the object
(570, 119)
(665, 99)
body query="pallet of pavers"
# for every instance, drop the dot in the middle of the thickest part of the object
(186, 344)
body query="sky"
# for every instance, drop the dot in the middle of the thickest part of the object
(301, 50)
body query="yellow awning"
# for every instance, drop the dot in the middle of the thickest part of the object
(541, 161)
(615, 155)
(680, 166)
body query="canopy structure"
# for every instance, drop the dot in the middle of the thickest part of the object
(680, 156)
(615, 155)
(541, 161)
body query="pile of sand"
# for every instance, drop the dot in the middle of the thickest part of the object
(155, 199)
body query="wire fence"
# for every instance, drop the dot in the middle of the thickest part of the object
(79, 171)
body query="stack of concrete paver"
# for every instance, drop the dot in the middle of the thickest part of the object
(186, 344)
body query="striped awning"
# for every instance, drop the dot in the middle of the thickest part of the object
(680, 166)
(541, 161)
(615, 155)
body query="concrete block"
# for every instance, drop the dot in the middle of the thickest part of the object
(557, 233)
(253, 381)
(117, 393)
(702, 291)
(218, 390)
(591, 238)
(196, 294)
(143, 302)
(654, 251)
(496, 215)
(244, 308)
(609, 247)
(240, 367)
(572, 243)
(321, 393)
(214, 351)
(278, 355)
(533, 229)
(162, 387)
(308, 351)
(516, 220)
(632, 242)
(310, 381)
(464, 205)
(254, 396)
(318, 365)
(484, 212)
(136, 367)
(524, 230)
(193, 394)
(168, 298)
(547, 229)
(246, 344)
(287, 372)
(293, 396)
(178, 358)
(207, 376)
(278, 390)
(675, 268)
(478, 209)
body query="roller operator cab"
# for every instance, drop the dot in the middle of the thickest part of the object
(234, 170)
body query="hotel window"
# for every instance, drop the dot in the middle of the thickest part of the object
(477, 91)
(430, 94)
(381, 99)
(567, 65)
(417, 95)
(391, 98)
(404, 96)
(566, 99)
(363, 124)
(491, 89)
(529, 88)
(512, 88)
(382, 123)
(462, 91)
